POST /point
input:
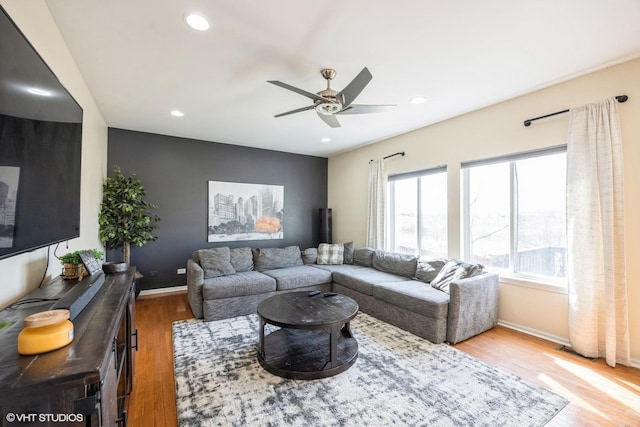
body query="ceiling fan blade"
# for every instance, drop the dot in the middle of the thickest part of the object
(366, 109)
(330, 119)
(297, 110)
(299, 91)
(353, 89)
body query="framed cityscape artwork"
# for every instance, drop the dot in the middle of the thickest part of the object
(239, 211)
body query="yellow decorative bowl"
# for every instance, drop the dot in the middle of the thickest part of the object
(45, 331)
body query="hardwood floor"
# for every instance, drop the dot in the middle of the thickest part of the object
(599, 395)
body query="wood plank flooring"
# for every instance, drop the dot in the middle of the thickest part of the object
(599, 395)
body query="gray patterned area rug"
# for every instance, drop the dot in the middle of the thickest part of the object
(398, 379)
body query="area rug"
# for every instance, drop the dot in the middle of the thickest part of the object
(398, 379)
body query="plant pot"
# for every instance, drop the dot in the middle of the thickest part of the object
(71, 271)
(114, 267)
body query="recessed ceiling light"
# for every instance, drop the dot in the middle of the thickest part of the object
(176, 113)
(197, 22)
(325, 140)
(37, 91)
(417, 100)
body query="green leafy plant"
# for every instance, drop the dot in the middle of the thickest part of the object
(124, 217)
(74, 257)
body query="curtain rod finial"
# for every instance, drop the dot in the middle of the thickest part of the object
(622, 98)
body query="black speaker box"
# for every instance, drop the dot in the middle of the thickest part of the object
(325, 225)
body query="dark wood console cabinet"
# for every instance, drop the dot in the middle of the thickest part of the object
(85, 383)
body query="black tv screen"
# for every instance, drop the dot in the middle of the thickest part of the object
(40, 149)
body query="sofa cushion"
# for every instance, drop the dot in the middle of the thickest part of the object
(239, 284)
(453, 270)
(272, 258)
(215, 262)
(330, 253)
(414, 296)
(363, 256)
(309, 256)
(395, 263)
(298, 277)
(339, 267)
(363, 279)
(428, 268)
(241, 259)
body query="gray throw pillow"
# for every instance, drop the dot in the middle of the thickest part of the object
(309, 256)
(395, 263)
(453, 270)
(349, 247)
(330, 254)
(216, 262)
(241, 259)
(428, 268)
(363, 256)
(274, 258)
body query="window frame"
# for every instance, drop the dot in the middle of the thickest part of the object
(391, 189)
(511, 276)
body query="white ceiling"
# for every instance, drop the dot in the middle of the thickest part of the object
(140, 61)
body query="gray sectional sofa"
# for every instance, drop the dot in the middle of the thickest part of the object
(437, 299)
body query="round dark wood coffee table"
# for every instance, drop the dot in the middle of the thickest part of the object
(314, 340)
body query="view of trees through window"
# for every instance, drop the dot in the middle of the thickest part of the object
(515, 215)
(418, 214)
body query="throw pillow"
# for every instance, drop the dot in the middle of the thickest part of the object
(242, 259)
(349, 248)
(330, 253)
(428, 269)
(453, 270)
(274, 258)
(309, 256)
(395, 263)
(216, 262)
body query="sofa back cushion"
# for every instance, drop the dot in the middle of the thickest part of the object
(309, 255)
(363, 256)
(395, 263)
(272, 258)
(241, 259)
(428, 268)
(215, 262)
(330, 254)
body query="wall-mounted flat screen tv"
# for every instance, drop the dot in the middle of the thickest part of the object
(40, 149)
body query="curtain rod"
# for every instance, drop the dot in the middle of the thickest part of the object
(620, 98)
(399, 153)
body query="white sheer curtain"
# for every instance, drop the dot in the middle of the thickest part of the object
(375, 206)
(598, 319)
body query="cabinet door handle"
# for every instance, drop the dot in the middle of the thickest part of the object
(135, 334)
(115, 352)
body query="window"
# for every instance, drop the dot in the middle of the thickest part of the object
(418, 212)
(514, 213)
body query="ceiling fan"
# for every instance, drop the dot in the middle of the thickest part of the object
(329, 102)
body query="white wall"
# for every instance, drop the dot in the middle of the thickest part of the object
(495, 131)
(22, 273)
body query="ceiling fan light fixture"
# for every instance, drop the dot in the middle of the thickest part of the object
(328, 108)
(197, 22)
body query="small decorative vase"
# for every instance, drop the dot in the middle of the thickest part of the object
(114, 267)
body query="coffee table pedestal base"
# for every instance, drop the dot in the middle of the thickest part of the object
(307, 354)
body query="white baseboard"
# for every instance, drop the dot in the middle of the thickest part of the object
(149, 293)
(549, 337)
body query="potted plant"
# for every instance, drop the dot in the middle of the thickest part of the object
(72, 263)
(124, 217)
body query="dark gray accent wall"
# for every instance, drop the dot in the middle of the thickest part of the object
(175, 173)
